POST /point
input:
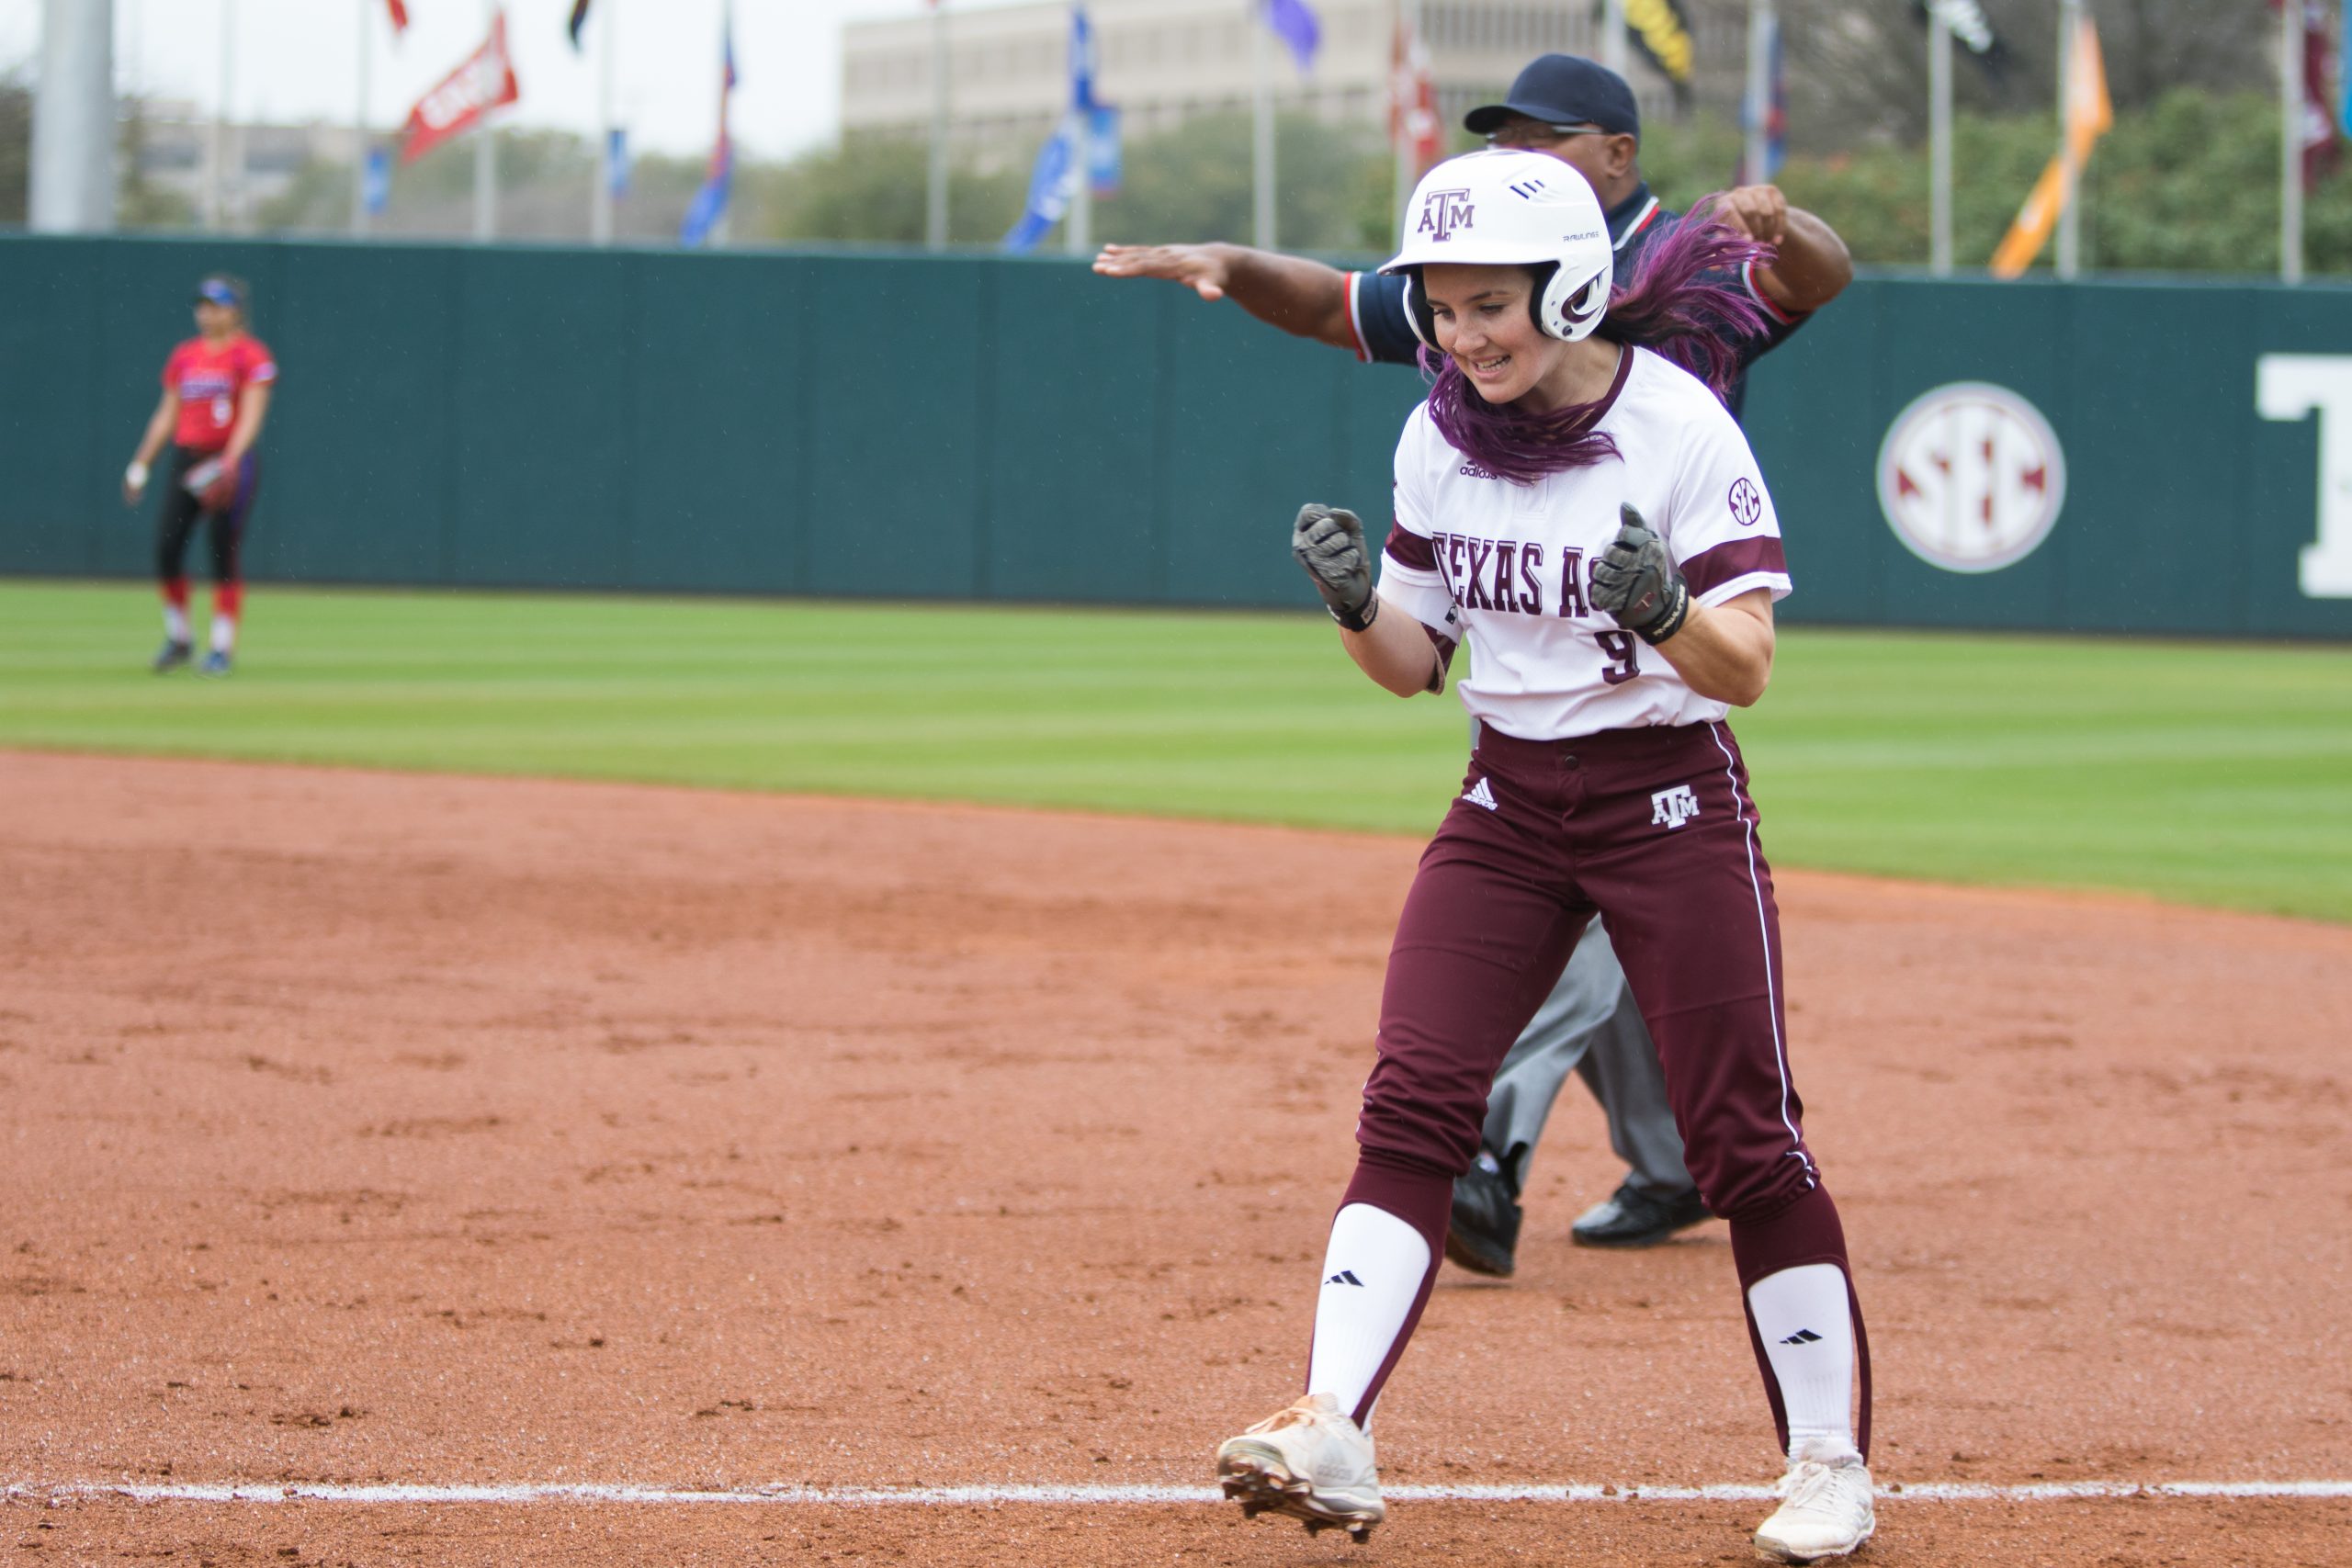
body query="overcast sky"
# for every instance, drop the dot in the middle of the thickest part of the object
(297, 59)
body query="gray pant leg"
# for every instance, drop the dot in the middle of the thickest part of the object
(1548, 1050)
(1589, 1025)
(1622, 1069)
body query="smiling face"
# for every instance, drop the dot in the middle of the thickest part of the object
(1484, 326)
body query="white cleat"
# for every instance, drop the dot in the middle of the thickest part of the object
(1309, 1461)
(1826, 1509)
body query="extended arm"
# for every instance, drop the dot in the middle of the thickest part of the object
(1812, 266)
(1303, 297)
(159, 430)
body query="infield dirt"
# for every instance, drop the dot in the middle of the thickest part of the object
(362, 1127)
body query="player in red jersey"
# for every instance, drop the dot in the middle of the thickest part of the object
(216, 395)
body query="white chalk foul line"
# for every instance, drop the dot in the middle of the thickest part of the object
(961, 1496)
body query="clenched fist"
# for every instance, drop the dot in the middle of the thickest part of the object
(1329, 542)
(1636, 581)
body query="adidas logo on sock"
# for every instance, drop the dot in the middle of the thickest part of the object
(1344, 1277)
(1481, 794)
(1801, 1337)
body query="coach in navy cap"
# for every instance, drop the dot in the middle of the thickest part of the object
(1566, 92)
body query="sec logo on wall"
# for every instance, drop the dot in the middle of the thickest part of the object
(1971, 476)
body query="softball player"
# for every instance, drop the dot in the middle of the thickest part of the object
(1584, 511)
(1583, 114)
(216, 394)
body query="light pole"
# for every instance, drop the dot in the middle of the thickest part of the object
(73, 151)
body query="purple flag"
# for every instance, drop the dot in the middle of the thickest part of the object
(1294, 24)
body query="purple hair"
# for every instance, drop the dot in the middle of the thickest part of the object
(1681, 301)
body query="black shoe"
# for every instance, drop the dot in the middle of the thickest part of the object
(1631, 1218)
(171, 655)
(1482, 1234)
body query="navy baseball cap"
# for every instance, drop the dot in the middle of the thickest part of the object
(1564, 89)
(221, 289)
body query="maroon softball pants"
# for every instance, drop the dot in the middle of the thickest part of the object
(1653, 828)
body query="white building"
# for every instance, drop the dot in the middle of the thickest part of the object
(1162, 62)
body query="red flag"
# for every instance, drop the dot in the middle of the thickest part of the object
(2322, 152)
(1412, 102)
(400, 14)
(484, 82)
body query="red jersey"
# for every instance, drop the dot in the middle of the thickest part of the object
(210, 378)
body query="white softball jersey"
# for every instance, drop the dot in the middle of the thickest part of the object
(1507, 567)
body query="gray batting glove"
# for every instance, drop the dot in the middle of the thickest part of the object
(1329, 542)
(1636, 581)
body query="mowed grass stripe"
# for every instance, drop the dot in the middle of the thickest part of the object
(2205, 772)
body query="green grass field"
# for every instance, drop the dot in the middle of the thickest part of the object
(2201, 773)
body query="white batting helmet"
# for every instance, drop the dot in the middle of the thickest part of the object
(1507, 207)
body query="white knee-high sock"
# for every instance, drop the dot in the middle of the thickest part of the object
(1372, 1271)
(1807, 1325)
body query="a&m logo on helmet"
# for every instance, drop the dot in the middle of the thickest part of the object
(1443, 212)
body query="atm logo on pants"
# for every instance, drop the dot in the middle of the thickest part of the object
(1673, 806)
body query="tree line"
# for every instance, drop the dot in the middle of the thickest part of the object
(2187, 182)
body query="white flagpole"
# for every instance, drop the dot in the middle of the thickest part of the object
(359, 127)
(1759, 92)
(1262, 130)
(1612, 36)
(216, 168)
(2290, 141)
(486, 161)
(1401, 65)
(2070, 229)
(934, 206)
(600, 202)
(72, 173)
(1939, 143)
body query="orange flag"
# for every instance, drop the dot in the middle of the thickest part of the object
(2089, 116)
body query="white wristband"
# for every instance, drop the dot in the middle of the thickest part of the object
(135, 476)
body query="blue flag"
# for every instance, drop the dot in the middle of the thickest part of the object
(1775, 111)
(376, 183)
(2344, 112)
(1049, 192)
(1053, 182)
(617, 166)
(1103, 161)
(1082, 59)
(710, 201)
(1296, 25)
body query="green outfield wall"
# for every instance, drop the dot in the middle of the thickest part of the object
(906, 426)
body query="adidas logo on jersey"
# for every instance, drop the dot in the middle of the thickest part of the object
(1673, 806)
(1482, 793)
(1344, 1277)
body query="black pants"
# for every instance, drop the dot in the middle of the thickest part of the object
(176, 523)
